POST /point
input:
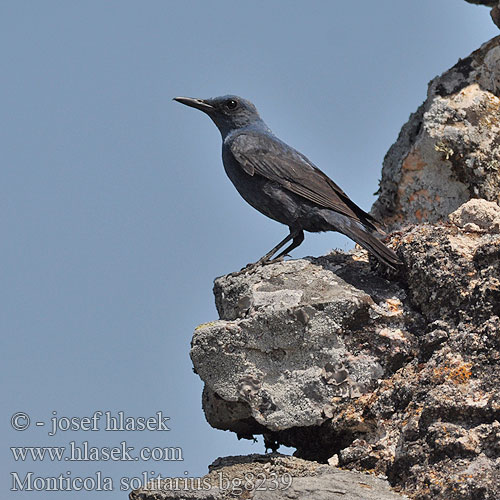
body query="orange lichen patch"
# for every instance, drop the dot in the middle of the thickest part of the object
(459, 373)
(421, 193)
(421, 214)
(352, 415)
(412, 168)
(463, 477)
(413, 162)
(434, 478)
(394, 305)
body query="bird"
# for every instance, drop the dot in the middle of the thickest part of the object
(283, 184)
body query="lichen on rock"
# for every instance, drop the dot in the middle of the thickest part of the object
(449, 151)
(288, 352)
(477, 216)
(392, 373)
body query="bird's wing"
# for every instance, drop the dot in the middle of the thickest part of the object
(273, 159)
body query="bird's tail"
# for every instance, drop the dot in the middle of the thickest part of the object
(368, 240)
(371, 243)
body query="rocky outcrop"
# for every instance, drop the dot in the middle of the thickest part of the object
(285, 375)
(396, 374)
(271, 477)
(477, 216)
(489, 3)
(449, 151)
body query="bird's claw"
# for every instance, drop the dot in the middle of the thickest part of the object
(249, 268)
(252, 267)
(281, 258)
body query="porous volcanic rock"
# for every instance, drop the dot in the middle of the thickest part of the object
(391, 373)
(270, 477)
(296, 340)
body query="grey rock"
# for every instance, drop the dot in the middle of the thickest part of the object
(395, 374)
(273, 477)
(449, 151)
(495, 14)
(453, 274)
(488, 3)
(477, 215)
(310, 335)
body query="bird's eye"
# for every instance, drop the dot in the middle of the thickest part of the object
(231, 104)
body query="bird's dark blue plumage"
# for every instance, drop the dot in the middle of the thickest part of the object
(282, 183)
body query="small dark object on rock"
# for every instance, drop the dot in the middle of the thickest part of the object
(495, 14)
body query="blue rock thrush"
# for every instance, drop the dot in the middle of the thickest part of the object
(283, 184)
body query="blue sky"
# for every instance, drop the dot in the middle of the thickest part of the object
(115, 210)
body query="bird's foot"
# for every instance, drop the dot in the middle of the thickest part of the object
(281, 258)
(252, 267)
(249, 268)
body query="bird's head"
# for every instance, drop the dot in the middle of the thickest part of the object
(228, 112)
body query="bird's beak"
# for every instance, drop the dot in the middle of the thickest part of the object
(195, 103)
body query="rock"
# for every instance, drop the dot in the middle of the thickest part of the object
(357, 366)
(271, 477)
(296, 341)
(477, 215)
(449, 151)
(452, 275)
(488, 3)
(495, 14)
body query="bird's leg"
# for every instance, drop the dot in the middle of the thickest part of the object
(267, 257)
(298, 238)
